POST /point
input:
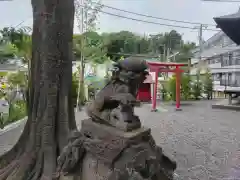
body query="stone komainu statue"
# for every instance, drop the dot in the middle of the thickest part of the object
(111, 144)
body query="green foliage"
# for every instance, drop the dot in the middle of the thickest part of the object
(90, 45)
(3, 74)
(18, 78)
(25, 49)
(15, 36)
(196, 89)
(75, 84)
(127, 43)
(208, 83)
(123, 42)
(17, 111)
(185, 86)
(164, 92)
(172, 87)
(7, 51)
(74, 89)
(17, 42)
(185, 52)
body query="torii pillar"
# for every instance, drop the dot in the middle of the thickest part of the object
(157, 67)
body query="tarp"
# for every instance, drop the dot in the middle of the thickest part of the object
(230, 25)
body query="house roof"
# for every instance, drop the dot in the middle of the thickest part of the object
(230, 26)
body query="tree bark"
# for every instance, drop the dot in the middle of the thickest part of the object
(50, 112)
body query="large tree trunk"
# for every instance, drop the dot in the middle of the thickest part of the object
(51, 114)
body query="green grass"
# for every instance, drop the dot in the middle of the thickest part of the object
(17, 111)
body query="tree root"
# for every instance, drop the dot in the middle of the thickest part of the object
(19, 168)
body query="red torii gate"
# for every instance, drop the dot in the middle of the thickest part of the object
(166, 67)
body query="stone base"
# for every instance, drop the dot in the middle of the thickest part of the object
(124, 149)
(113, 154)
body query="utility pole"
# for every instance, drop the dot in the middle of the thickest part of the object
(164, 52)
(200, 41)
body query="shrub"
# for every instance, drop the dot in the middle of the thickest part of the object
(74, 90)
(196, 89)
(172, 88)
(185, 86)
(208, 85)
(17, 111)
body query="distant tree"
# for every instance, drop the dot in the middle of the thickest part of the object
(208, 84)
(7, 51)
(122, 43)
(185, 86)
(171, 87)
(185, 52)
(197, 89)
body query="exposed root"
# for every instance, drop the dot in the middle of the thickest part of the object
(72, 155)
(18, 169)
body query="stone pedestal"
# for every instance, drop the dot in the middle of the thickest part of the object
(100, 152)
(113, 150)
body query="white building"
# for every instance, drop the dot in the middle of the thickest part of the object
(222, 57)
(99, 70)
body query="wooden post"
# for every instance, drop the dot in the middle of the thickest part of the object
(230, 99)
(154, 102)
(178, 88)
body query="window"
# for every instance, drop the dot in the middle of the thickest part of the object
(217, 59)
(237, 60)
(221, 60)
(230, 59)
(224, 61)
(218, 76)
(237, 78)
(209, 61)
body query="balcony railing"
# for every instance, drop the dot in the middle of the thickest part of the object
(224, 82)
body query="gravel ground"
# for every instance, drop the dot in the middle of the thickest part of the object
(203, 141)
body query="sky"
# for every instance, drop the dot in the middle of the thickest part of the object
(20, 12)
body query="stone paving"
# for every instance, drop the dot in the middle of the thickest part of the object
(203, 141)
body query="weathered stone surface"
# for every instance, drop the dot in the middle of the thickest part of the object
(114, 104)
(106, 143)
(94, 169)
(104, 152)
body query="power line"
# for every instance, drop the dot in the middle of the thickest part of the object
(153, 17)
(221, 1)
(156, 23)
(149, 22)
